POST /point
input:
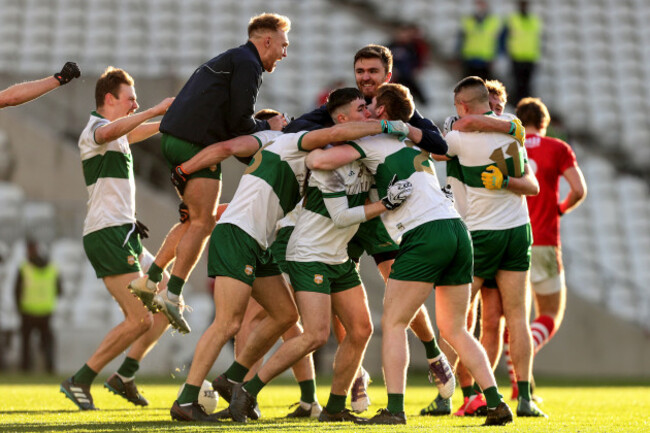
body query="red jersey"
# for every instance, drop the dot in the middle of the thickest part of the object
(548, 158)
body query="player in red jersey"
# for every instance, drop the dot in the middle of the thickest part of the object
(551, 159)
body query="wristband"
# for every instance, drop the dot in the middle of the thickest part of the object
(506, 180)
(384, 126)
(512, 127)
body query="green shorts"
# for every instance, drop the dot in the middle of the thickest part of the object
(438, 252)
(321, 278)
(279, 247)
(234, 253)
(177, 151)
(507, 250)
(373, 238)
(113, 250)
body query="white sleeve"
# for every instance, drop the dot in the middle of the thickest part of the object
(341, 214)
(453, 142)
(332, 186)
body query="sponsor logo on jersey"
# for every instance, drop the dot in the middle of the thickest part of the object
(248, 270)
(130, 260)
(318, 279)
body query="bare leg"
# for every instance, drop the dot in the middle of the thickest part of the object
(315, 310)
(230, 300)
(352, 308)
(452, 303)
(515, 296)
(401, 302)
(273, 294)
(137, 321)
(147, 341)
(167, 251)
(201, 196)
(492, 324)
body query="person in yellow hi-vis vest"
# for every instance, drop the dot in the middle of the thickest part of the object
(523, 42)
(478, 41)
(37, 288)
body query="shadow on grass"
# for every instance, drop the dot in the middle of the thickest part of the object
(110, 427)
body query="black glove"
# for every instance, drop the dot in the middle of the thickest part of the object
(184, 212)
(179, 179)
(141, 229)
(68, 73)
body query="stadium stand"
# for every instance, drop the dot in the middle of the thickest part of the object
(595, 74)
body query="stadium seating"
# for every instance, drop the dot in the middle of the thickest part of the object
(595, 74)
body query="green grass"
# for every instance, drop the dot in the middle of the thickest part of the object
(36, 405)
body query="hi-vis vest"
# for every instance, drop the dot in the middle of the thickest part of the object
(481, 38)
(39, 289)
(524, 38)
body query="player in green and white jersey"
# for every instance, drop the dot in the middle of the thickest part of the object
(111, 234)
(238, 251)
(474, 403)
(497, 177)
(435, 248)
(323, 276)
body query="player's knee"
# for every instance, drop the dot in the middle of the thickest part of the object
(289, 319)
(361, 332)
(203, 222)
(140, 325)
(317, 338)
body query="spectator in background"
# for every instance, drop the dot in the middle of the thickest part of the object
(36, 290)
(321, 99)
(478, 41)
(522, 35)
(409, 55)
(30, 90)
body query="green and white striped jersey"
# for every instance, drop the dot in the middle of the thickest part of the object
(316, 238)
(270, 188)
(386, 157)
(454, 170)
(108, 172)
(489, 209)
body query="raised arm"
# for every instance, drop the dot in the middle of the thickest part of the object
(30, 90)
(143, 132)
(125, 125)
(577, 190)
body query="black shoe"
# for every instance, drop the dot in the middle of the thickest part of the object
(384, 416)
(500, 415)
(243, 405)
(193, 412)
(78, 393)
(128, 390)
(344, 415)
(224, 387)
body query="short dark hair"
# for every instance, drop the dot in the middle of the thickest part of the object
(474, 83)
(340, 97)
(374, 51)
(266, 114)
(533, 112)
(110, 82)
(397, 101)
(268, 21)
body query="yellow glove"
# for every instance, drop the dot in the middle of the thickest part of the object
(493, 178)
(518, 131)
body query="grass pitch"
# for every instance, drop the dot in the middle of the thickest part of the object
(34, 404)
